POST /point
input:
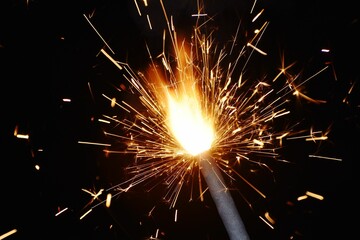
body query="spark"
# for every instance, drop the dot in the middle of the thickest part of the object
(95, 143)
(304, 136)
(258, 15)
(314, 195)
(111, 59)
(9, 233)
(310, 194)
(156, 235)
(253, 6)
(22, 136)
(316, 138)
(269, 218)
(60, 212)
(151, 211)
(149, 22)
(324, 157)
(345, 100)
(266, 222)
(94, 195)
(108, 200)
(137, 7)
(88, 20)
(90, 90)
(257, 49)
(199, 15)
(176, 215)
(86, 213)
(104, 121)
(303, 197)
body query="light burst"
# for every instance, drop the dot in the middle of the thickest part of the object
(199, 97)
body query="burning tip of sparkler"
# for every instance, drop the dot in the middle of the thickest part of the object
(193, 131)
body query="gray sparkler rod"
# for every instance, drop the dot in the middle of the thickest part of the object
(222, 198)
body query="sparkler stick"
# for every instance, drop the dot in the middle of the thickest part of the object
(224, 203)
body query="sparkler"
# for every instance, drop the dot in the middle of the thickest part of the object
(198, 109)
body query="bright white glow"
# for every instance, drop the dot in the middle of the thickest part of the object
(190, 128)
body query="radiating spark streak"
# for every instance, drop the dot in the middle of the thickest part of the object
(261, 31)
(349, 92)
(258, 142)
(166, 18)
(113, 151)
(91, 92)
(233, 45)
(92, 13)
(251, 185)
(253, 6)
(22, 136)
(88, 20)
(267, 223)
(312, 76)
(324, 157)
(258, 15)
(316, 138)
(114, 102)
(95, 195)
(269, 218)
(303, 197)
(304, 136)
(151, 211)
(333, 71)
(314, 195)
(60, 212)
(176, 215)
(95, 143)
(259, 34)
(66, 100)
(276, 115)
(199, 15)
(108, 200)
(137, 7)
(84, 215)
(111, 59)
(9, 233)
(283, 71)
(148, 20)
(104, 121)
(257, 49)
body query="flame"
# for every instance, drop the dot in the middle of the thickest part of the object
(185, 111)
(186, 115)
(187, 122)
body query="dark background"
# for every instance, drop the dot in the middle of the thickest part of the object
(48, 52)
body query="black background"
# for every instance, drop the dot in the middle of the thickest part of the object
(48, 52)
